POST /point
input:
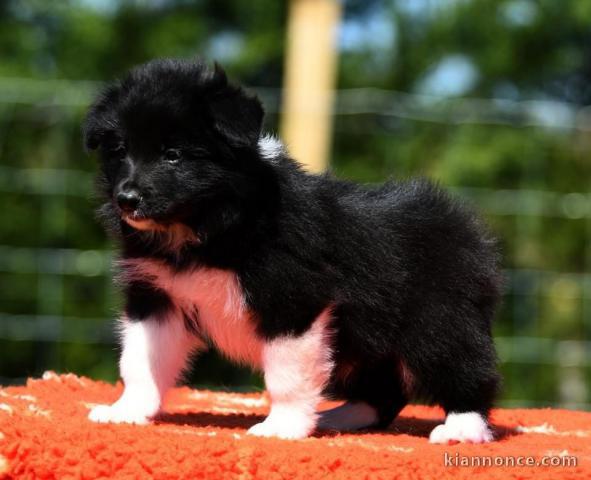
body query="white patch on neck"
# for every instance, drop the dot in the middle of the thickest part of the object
(270, 147)
(223, 314)
(170, 237)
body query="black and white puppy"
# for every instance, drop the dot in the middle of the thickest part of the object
(372, 294)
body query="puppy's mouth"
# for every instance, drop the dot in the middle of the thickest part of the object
(177, 234)
(139, 221)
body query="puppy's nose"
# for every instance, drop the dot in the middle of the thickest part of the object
(128, 200)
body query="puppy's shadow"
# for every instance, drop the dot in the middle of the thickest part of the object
(402, 425)
(205, 419)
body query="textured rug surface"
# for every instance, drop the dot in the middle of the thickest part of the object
(44, 433)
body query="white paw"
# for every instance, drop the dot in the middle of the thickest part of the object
(118, 413)
(468, 427)
(283, 426)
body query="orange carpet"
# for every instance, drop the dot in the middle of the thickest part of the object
(44, 434)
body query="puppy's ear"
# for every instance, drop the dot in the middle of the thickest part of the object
(91, 137)
(99, 119)
(237, 115)
(91, 133)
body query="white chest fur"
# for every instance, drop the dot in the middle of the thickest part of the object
(217, 295)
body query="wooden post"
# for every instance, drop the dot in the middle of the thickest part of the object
(310, 68)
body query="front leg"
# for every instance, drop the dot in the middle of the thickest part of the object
(296, 370)
(155, 350)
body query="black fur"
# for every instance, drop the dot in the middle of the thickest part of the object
(144, 300)
(411, 273)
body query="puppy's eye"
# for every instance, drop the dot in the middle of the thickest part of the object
(172, 155)
(118, 152)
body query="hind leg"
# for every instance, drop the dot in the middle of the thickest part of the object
(467, 415)
(466, 393)
(375, 395)
(468, 427)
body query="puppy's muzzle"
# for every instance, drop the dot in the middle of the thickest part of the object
(128, 200)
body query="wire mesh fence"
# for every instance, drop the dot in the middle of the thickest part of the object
(56, 298)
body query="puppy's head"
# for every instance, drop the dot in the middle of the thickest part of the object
(176, 143)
